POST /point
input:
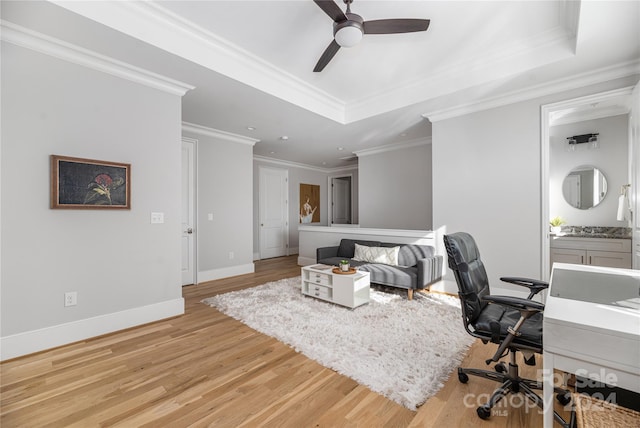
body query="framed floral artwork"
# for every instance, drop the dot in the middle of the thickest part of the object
(78, 183)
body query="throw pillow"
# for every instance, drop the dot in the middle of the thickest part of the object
(348, 246)
(386, 255)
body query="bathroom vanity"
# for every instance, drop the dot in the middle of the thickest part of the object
(610, 247)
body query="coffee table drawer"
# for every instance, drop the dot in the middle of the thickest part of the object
(350, 290)
(320, 291)
(320, 278)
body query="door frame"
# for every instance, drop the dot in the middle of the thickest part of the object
(546, 111)
(194, 206)
(330, 197)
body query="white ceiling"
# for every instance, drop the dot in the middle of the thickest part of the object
(251, 62)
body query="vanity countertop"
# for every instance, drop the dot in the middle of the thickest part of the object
(594, 232)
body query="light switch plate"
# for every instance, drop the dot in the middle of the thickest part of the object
(157, 218)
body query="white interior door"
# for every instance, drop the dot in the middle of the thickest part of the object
(274, 217)
(188, 212)
(341, 200)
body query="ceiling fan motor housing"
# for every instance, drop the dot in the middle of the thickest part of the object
(349, 33)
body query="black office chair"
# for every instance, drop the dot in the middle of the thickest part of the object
(512, 322)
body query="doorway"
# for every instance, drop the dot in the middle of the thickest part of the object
(274, 212)
(603, 100)
(188, 211)
(341, 199)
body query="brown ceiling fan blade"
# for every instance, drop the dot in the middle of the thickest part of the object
(391, 26)
(331, 9)
(328, 53)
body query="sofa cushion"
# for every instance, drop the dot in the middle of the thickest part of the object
(397, 276)
(386, 255)
(409, 254)
(348, 246)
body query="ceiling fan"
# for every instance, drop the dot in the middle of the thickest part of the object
(348, 28)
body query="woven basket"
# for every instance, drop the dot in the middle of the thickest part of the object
(595, 413)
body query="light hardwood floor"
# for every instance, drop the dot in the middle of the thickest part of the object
(206, 369)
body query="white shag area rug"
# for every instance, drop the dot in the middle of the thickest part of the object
(402, 349)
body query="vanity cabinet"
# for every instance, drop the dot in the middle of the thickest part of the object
(591, 251)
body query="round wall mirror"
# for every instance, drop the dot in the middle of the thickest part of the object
(584, 187)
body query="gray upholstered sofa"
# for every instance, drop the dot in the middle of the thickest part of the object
(417, 266)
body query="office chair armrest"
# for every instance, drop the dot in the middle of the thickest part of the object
(535, 286)
(517, 303)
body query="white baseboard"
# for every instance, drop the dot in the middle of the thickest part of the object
(291, 252)
(210, 275)
(50, 337)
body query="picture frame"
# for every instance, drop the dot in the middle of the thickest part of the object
(78, 183)
(309, 203)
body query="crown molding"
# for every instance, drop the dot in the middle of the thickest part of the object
(507, 60)
(553, 45)
(302, 165)
(216, 133)
(154, 24)
(51, 46)
(158, 26)
(560, 85)
(393, 147)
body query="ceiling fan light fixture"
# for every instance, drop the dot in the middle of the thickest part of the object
(349, 34)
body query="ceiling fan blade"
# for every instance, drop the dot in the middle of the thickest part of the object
(331, 9)
(328, 53)
(392, 26)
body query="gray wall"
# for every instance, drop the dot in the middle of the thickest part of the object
(612, 158)
(395, 189)
(115, 260)
(224, 189)
(297, 175)
(486, 181)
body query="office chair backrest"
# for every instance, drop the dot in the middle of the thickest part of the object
(473, 284)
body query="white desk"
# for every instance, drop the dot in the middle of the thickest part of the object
(591, 327)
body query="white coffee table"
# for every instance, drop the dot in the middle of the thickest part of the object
(350, 290)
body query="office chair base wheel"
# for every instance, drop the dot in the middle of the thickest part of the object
(463, 377)
(501, 368)
(564, 398)
(483, 412)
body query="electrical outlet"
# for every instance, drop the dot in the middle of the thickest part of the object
(231, 255)
(71, 298)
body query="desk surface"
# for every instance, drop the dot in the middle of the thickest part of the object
(595, 296)
(592, 326)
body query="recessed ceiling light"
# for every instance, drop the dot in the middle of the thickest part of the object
(284, 138)
(272, 153)
(251, 128)
(340, 148)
